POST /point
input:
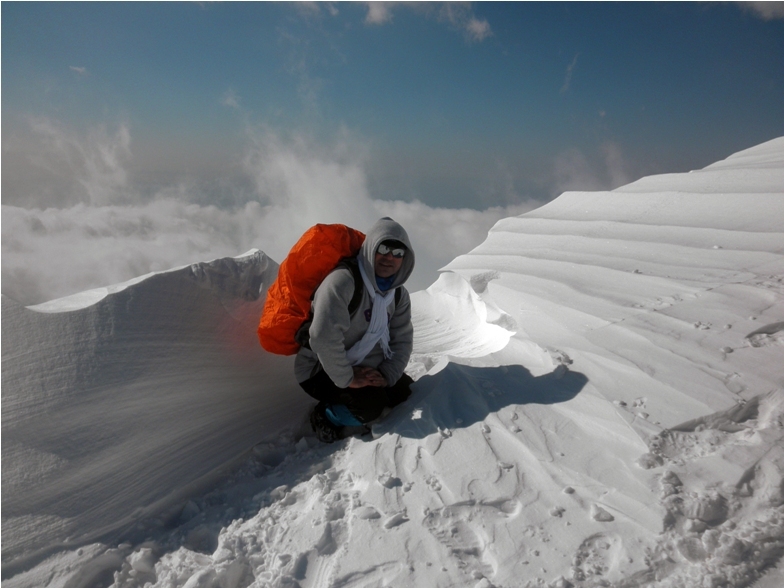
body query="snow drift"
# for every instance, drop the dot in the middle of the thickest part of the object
(117, 401)
(598, 403)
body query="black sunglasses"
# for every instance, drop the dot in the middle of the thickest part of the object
(395, 251)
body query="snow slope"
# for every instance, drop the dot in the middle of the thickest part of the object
(599, 402)
(118, 400)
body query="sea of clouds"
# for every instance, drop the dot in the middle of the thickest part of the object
(86, 222)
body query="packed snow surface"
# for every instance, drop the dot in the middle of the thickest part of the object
(599, 402)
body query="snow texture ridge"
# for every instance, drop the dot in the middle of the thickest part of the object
(117, 408)
(598, 402)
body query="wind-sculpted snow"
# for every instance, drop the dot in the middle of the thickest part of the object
(452, 323)
(117, 402)
(598, 402)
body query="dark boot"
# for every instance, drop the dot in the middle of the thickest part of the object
(325, 431)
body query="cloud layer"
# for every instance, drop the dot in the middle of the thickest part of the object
(100, 230)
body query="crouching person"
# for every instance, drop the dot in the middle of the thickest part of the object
(353, 364)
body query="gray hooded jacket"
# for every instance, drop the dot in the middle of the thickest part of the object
(333, 331)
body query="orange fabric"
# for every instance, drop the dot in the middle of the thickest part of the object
(311, 259)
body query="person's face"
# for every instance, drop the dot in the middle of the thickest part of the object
(386, 264)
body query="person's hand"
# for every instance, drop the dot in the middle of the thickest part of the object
(367, 376)
(376, 378)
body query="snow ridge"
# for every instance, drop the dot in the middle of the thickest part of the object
(115, 409)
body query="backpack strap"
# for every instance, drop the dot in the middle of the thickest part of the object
(356, 298)
(303, 333)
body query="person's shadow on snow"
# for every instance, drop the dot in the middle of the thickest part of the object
(459, 396)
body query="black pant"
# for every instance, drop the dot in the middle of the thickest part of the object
(364, 403)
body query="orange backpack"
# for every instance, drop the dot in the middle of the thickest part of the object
(312, 258)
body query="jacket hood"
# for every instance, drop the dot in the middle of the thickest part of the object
(386, 230)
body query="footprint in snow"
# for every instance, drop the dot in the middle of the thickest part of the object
(453, 527)
(366, 513)
(734, 384)
(598, 557)
(389, 481)
(395, 520)
(765, 335)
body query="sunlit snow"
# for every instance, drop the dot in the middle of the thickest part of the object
(599, 402)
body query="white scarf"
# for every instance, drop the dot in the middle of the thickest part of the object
(378, 330)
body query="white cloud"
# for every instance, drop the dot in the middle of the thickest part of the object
(568, 77)
(70, 166)
(231, 99)
(55, 251)
(308, 9)
(765, 10)
(82, 71)
(459, 15)
(379, 13)
(478, 30)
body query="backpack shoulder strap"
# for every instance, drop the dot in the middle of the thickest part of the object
(356, 298)
(302, 336)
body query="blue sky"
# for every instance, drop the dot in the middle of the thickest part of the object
(142, 136)
(454, 105)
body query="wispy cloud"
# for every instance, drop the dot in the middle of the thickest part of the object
(82, 71)
(231, 99)
(313, 9)
(379, 13)
(765, 10)
(53, 251)
(54, 165)
(307, 9)
(478, 30)
(604, 169)
(460, 16)
(313, 40)
(567, 84)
